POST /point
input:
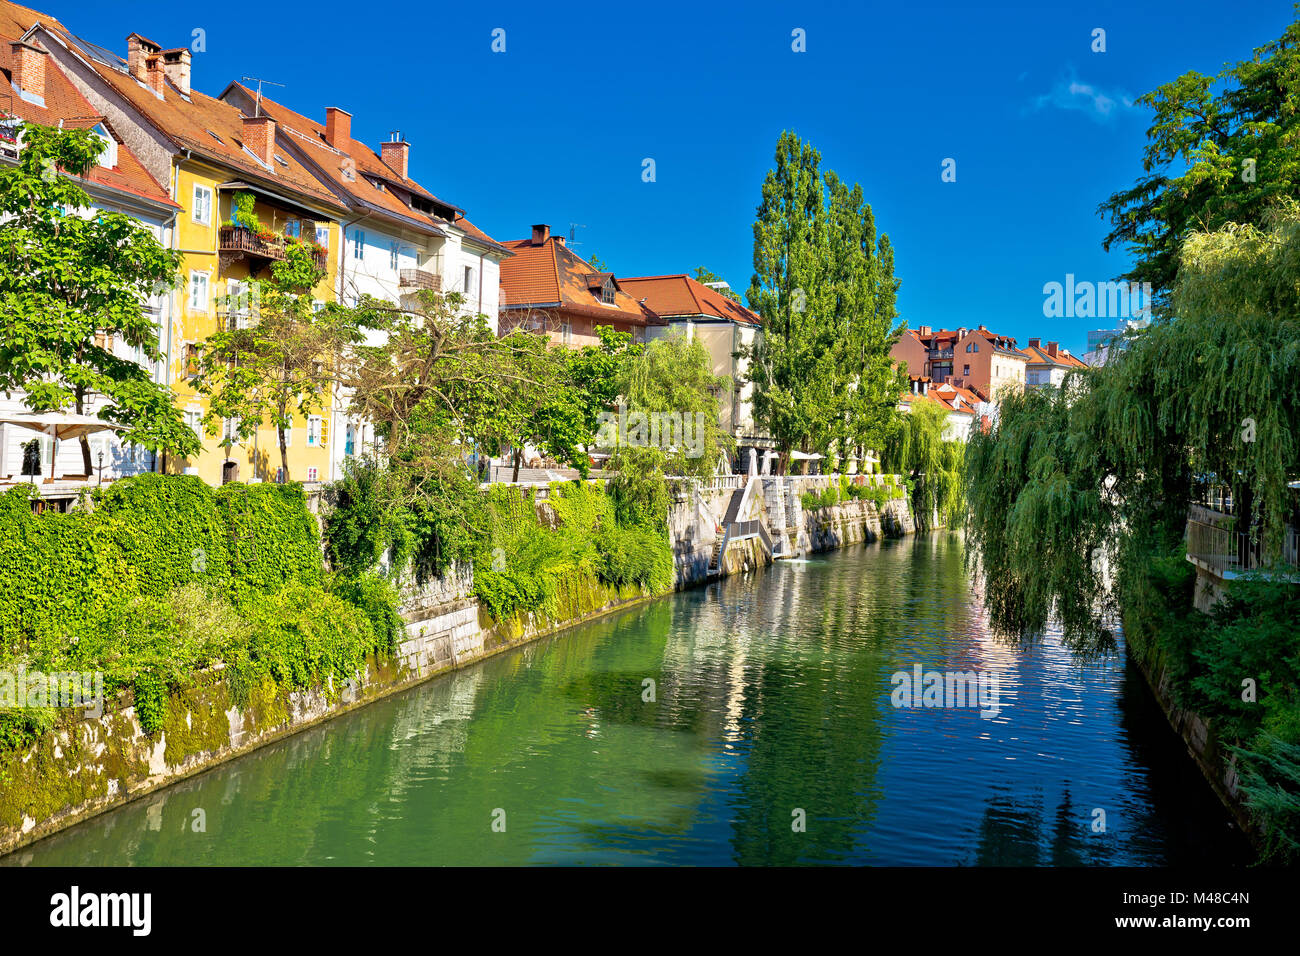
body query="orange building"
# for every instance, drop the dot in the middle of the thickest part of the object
(547, 288)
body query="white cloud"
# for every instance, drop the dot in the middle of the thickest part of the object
(1070, 93)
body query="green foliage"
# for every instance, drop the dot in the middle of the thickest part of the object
(272, 537)
(524, 565)
(169, 529)
(302, 636)
(673, 376)
(824, 285)
(933, 468)
(1220, 150)
(64, 279)
(1270, 780)
(166, 577)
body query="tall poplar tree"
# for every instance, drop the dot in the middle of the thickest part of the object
(824, 285)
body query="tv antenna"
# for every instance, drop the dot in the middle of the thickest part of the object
(573, 226)
(257, 106)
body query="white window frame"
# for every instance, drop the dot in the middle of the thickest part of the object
(108, 158)
(207, 291)
(313, 437)
(206, 220)
(358, 245)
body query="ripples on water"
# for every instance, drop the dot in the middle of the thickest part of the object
(772, 696)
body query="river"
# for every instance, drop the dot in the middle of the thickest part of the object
(747, 722)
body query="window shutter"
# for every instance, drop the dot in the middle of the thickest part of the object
(324, 431)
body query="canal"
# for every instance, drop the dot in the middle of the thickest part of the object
(749, 722)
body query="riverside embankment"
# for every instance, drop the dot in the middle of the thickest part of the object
(729, 526)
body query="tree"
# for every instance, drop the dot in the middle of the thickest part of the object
(70, 284)
(705, 276)
(824, 286)
(280, 358)
(915, 447)
(672, 383)
(1236, 138)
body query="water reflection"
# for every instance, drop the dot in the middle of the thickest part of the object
(771, 703)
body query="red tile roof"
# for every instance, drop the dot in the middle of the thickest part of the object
(1063, 358)
(209, 128)
(65, 105)
(680, 295)
(550, 275)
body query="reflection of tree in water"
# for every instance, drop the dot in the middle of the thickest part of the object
(1017, 833)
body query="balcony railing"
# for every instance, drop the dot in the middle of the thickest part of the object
(1214, 543)
(237, 239)
(420, 279)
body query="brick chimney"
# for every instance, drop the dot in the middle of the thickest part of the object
(924, 330)
(259, 137)
(1053, 349)
(540, 234)
(28, 68)
(1035, 343)
(153, 73)
(137, 49)
(176, 64)
(396, 154)
(338, 127)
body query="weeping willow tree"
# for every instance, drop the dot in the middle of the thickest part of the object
(915, 447)
(1109, 460)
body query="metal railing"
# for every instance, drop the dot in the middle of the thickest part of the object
(1214, 543)
(420, 279)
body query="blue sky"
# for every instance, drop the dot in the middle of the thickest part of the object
(555, 129)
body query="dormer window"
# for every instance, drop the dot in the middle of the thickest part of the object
(607, 292)
(108, 156)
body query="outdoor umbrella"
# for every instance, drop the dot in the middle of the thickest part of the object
(60, 427)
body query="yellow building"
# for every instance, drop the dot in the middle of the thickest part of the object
(208, 152)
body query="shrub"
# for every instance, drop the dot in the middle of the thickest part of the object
(273, 538)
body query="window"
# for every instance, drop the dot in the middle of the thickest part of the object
(977, 347)
(198, 292)
(293, 229)
(568, 333)
(965, 370)
(279, 476)
(313, 431)
(392, 255)
(322, 235)
(967, 346)
(317, 305)
(311, 474)
(201, 211)
(191, 360)
(358, 244)
(469, 279)
(288, 437)
(607, 292)
(194, 420)
(350, 440)
(108, 157)
(230, 430)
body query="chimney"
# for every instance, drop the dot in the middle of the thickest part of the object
(1035, 343)
(983, 328)
(338, 127)
(925, 386)
(1053, 348)
(540, 234)
(137, 49)
(396, 154)
(176, 64)
(153, 73)
(259, 137)
(28, 68)
(924, 331)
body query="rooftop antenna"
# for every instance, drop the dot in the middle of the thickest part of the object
(572, 227)
(257, 106)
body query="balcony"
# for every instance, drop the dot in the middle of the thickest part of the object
(420, 279)
(238, 242)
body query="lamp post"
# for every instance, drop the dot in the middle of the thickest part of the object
(101, 466)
